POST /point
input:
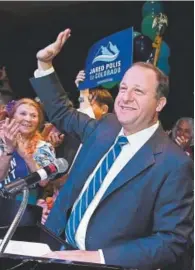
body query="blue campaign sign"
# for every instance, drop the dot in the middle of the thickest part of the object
(108, 59)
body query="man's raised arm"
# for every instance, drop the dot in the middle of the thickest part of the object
(51, 93)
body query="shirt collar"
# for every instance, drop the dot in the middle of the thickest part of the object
(140, 137)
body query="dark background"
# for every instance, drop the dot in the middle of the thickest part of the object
(26, 27)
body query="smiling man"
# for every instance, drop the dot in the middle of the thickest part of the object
(140, 98)
(128, 199)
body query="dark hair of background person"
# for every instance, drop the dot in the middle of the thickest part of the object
(102, 97)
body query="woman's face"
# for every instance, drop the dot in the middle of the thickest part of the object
(28, 117)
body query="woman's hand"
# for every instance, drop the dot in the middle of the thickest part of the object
(28, 158)
(10, 132)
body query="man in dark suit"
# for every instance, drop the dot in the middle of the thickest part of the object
(128, 199)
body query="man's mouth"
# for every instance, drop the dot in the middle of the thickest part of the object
(127, 108)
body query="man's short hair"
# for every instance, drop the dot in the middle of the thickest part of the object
(102, 97)
(163, 80)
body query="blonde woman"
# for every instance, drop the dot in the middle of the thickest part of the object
(22, 148)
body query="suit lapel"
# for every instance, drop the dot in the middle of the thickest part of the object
(142, 160)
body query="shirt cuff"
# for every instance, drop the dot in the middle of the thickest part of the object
(102, 260)
(41, 73)
(88, 111)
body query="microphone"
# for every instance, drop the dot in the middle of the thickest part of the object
(59, 166)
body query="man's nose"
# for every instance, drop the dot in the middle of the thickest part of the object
(128, 96)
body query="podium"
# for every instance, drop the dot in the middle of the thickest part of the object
(8, 261)
(30, 228)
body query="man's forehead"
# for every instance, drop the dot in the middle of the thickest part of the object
(140, 70)
(139, 75)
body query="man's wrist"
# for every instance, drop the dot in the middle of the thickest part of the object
(41, 73)
(43, 65)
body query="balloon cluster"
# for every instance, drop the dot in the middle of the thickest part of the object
(143, 41)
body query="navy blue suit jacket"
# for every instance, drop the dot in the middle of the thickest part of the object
(144, 219)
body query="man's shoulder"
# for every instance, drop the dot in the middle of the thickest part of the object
(110, 118)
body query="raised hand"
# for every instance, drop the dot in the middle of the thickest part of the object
(10, 131)
(47, 54)
(80, 77)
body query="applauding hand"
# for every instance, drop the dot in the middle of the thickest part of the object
(10, 131)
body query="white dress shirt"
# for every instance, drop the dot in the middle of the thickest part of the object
(136, 141)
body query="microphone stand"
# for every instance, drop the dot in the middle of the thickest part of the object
(16, 221)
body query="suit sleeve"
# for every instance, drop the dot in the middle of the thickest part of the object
(172, 227)
(59, 109)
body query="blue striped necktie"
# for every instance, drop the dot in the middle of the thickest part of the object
(90, 192)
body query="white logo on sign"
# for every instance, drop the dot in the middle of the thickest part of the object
(107, 54)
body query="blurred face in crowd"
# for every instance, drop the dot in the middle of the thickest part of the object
(136, 104)
(28, 117)
(98, 109)
(183, 130)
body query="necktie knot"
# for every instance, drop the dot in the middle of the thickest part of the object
(122, 140)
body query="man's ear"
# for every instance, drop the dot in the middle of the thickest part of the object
(162, 101)
(104, 109)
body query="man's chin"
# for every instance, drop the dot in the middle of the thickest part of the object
(125, 122)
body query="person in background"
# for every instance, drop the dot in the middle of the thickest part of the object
(22, 148)
(95, 102)
(128, 200)
(183, 135)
